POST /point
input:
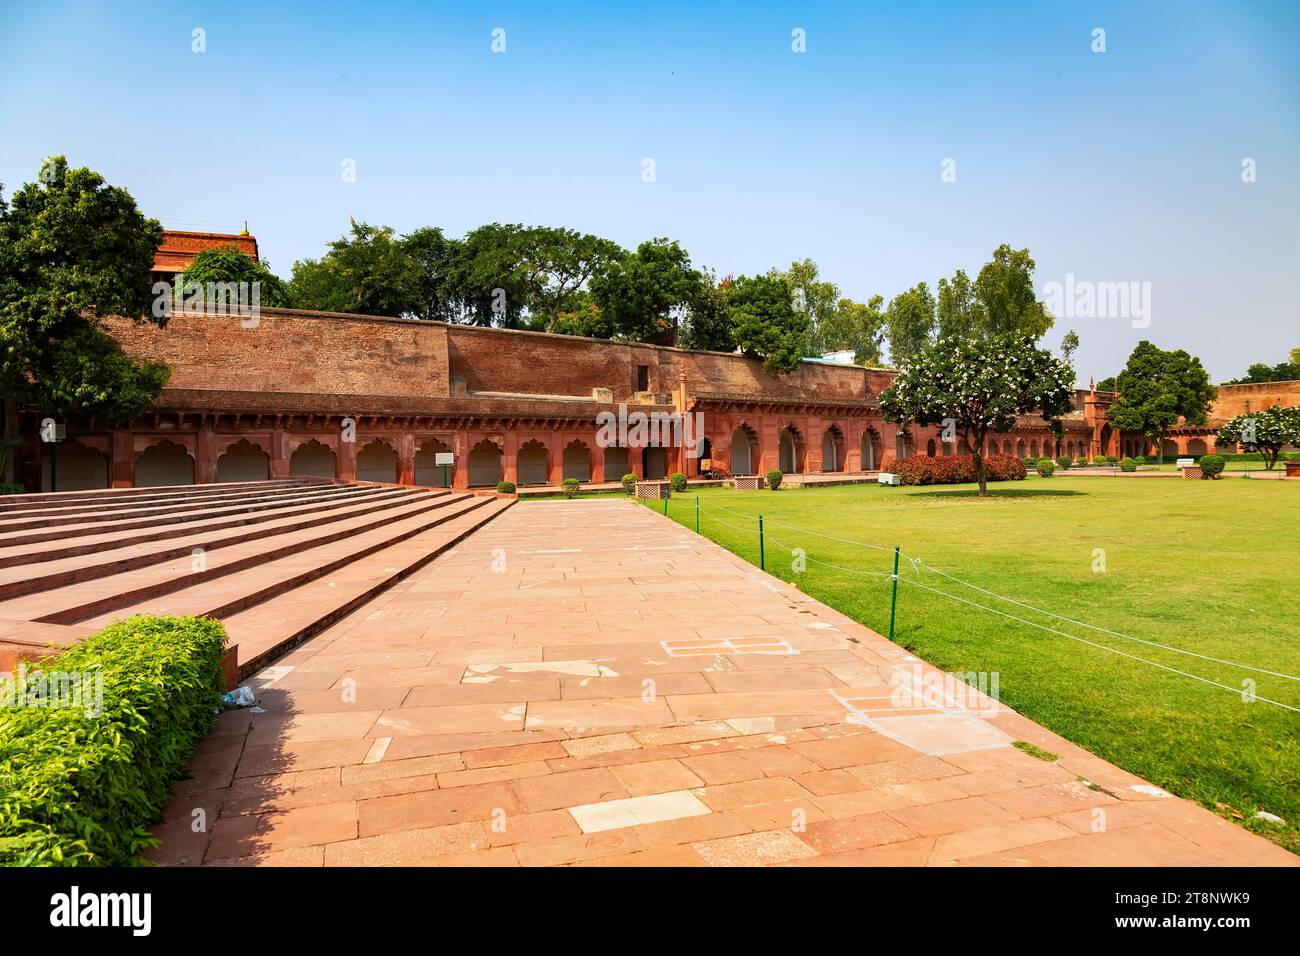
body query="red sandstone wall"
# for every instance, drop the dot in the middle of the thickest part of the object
(1233, 399)
(494, 360)
(288, 352)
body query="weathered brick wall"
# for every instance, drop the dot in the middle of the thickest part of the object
(1233, 399)
(296, 352)
(329, 354)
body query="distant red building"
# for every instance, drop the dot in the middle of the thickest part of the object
(178, 250)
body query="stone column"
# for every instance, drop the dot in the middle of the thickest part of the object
(122, 459)
(406, 457)
(279, 453)
(206, 454)
(347, 459)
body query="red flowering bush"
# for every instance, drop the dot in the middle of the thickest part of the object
(953, 469)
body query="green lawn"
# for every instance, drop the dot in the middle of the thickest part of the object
(1209, 567)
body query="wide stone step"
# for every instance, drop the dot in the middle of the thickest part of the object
(100, 514)
(79, 601)
(234, 592)
(95, 564)
(130, 523)
(12, 553)
(53, 499)
(266, 631)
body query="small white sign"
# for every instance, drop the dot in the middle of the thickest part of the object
(442, 458)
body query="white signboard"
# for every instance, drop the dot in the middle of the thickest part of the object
(442, 458)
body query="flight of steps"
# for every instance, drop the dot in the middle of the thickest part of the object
(275, 561)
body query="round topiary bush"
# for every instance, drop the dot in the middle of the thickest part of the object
(1064, 461)
(1031, 462)
(505, 487)
(1128, 464)
(1211, 466)
(571, 486)
(629, 483)
(1111, 460)
(1045, 468)
(1141, 460)
(677, 482)
(1099, 459)
(774, 479)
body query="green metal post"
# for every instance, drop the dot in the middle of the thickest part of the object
(762, 560)
(697, 514)
(893, 597)
(665, 504)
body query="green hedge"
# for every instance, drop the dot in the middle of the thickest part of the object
(10, 488)
(81, 788)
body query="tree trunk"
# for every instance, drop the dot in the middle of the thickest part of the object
(980, 475)
(10, 412)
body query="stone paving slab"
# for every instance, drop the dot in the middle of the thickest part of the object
(587, 683)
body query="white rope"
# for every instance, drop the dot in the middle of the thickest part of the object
(1204, 680)
(1104, 630)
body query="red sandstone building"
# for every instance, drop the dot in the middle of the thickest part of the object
(375, 399)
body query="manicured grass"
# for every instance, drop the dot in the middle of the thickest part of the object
(1209, 567)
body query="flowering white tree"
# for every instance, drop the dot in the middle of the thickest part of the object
(1267, 431)
(978, 386)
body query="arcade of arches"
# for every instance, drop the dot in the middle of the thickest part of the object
(506, 405)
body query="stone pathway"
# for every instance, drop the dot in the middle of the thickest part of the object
(589, 683)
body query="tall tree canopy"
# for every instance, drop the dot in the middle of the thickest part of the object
(978, 386)
(1005, 290)
(435, 261)
(909, 323)
(366, 271)
(645, 296)
(1157, 389)
(958, 310)
(709, 322)
(554, 263)
(766, 324)
(73, 249)
(1281, 372)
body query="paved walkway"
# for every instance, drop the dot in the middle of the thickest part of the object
(588, 683)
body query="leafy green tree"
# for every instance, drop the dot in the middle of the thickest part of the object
(958, 311)
(856, 326)
(766, 325)
(435, 260)
(486, 278)
(1107, 384)
(1267, 431)
(978, 386)
(1157, 389)
(1005, 290)
(73, 250)
(813, 296)
(554, 263)
(1281, 372)
(646, 295)
(227, 264)
(709, 322)
(365, 272)
(909, 323)
(581, 316)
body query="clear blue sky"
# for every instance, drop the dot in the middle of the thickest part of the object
(1121, 166)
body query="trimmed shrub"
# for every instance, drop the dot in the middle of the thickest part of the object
(677, 482)
(956, 469)
(82, 783)
(10, 488)
(1064, 461)
(774, 479)
(1111, 460)
(629, 483)
(505, 487)
(1045, 468)
(1211, 466)
(1128, 464)
(1099, 459)
(1031, 462)
(1140, 459)
(571, 486)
